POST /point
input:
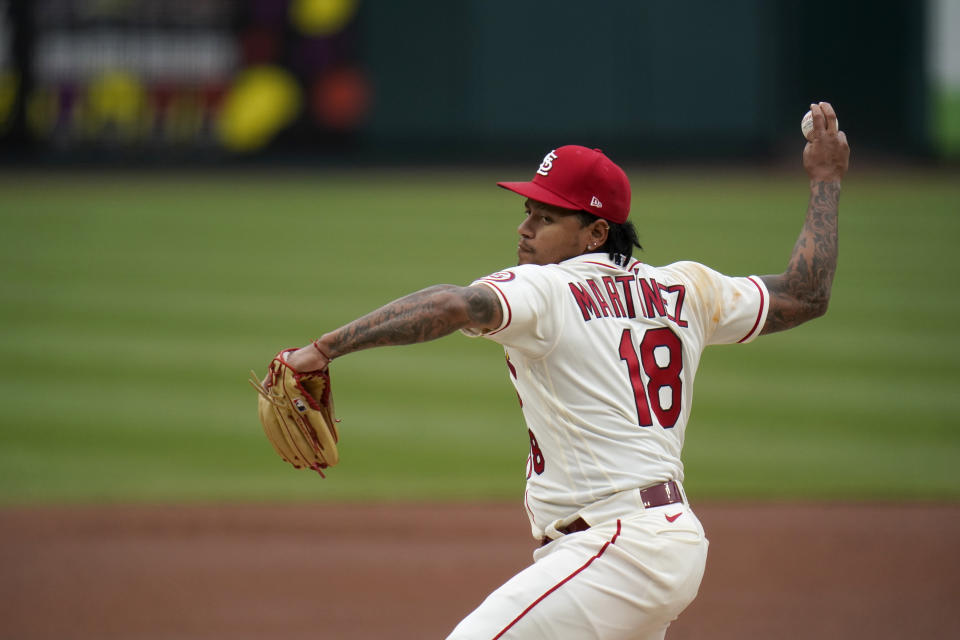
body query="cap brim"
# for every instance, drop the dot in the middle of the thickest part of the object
(536, 192)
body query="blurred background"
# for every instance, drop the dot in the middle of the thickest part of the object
(187, 186)
(429, 80)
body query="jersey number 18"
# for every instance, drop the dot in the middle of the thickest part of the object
(660, 357)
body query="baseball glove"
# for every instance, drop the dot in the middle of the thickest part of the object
(296, 411)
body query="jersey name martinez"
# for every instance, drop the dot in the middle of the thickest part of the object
(628, 297)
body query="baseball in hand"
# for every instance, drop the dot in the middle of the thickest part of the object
(806, 125)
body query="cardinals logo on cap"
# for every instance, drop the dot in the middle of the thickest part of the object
(585, 180)
(547, 163)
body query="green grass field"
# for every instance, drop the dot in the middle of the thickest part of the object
(134, 305)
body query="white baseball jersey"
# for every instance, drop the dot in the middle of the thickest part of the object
(603, 358)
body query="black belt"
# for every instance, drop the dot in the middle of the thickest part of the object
(656, 496)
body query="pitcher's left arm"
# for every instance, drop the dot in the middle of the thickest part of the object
(802, 292)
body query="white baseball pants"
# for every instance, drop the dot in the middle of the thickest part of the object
(624, 579)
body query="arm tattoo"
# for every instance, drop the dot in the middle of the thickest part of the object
(484, 307)
(802, 292)
(425, 315)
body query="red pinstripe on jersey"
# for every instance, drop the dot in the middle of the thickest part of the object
(759, 313)
(526, 496)
(505, 301)
(561, 583)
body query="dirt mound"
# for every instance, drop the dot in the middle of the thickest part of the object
(412, 571)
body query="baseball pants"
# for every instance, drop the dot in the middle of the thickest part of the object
(624, 579)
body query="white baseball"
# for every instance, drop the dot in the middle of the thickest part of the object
(806, 125)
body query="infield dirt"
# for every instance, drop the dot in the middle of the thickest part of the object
(412, 571)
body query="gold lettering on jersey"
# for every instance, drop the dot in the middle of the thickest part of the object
(625, 296)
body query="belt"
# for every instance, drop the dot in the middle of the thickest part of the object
(656, 496)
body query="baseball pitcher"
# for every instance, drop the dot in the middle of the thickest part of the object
(602, 350)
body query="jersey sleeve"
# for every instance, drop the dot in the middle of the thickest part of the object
(526, 301)
(729, 309)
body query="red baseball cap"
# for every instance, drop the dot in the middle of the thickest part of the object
(575, 177)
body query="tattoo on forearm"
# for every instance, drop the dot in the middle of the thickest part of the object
(425, 315)
(801, 293)
(483, 306)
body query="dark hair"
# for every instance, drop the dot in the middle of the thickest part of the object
(621, 239)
